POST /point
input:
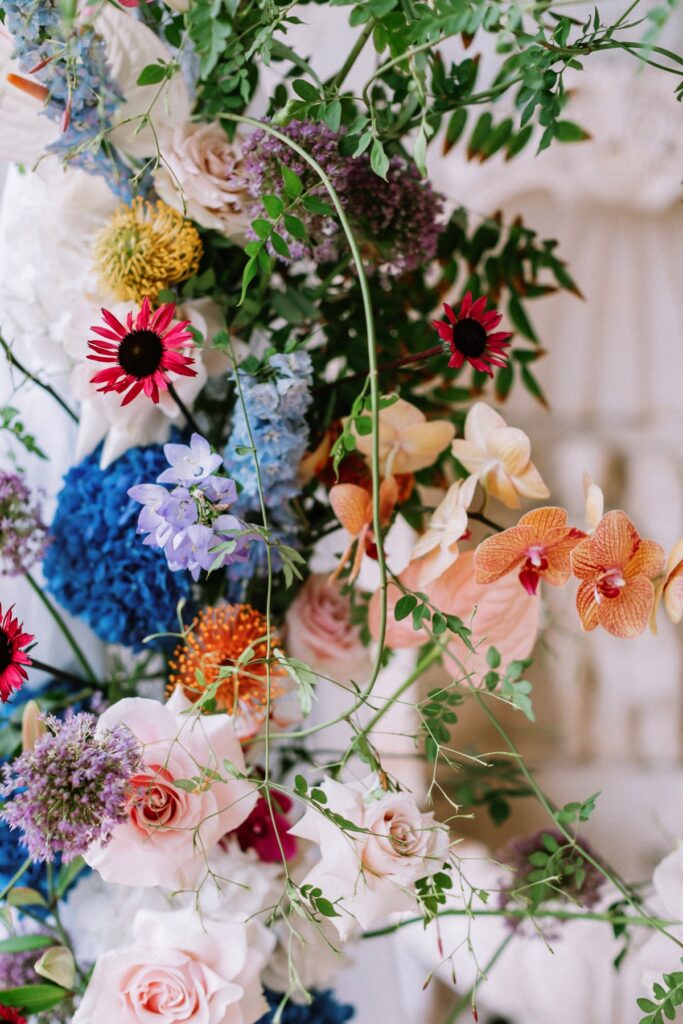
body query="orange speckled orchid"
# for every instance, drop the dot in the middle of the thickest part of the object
(616, 568)
(539, 547)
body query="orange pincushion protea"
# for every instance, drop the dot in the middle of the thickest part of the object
(214, 655)
(616, 568)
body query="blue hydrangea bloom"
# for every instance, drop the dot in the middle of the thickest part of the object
(323, 1010)
(96, 565)
(276, 412)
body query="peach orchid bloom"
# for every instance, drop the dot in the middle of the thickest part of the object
(500, 615)
(352, 505)
(437, 548)
(595, 502)
(616, 568)
(407, 441)
(539, 547)
(670, 587)
(500, 456)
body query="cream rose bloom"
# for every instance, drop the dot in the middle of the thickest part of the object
(170, 832)
(180, 968)
(320, 631)
(370, 875)
(203, 176)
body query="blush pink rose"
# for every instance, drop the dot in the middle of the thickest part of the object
(370, 875)
(321, 633)
(170, 831)
(181, 968)
(506, 616)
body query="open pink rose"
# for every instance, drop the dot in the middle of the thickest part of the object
(181, 968)
(320, 631)
(368, 875)
(506, 616)
(169, 830)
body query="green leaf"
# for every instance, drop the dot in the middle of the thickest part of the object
(248, 275)
(25, 943)
(295, 227)
(314, 204)
(455, 127)
(568, 131)
(261, 227)
(274, 206)
(404, 607)
(57, 964)
(300, 785)
(152, 74)
(325, 907)
(292, 182)
(520, 319)
(280, 245)
(304, 677)
(22, 896)
(333, 114)
(305, 90)
(33, 998)
(68, 873)
(379, 160)
(493, 658)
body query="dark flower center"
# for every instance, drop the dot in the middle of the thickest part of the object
(469, 337)
(5, 652)
(140, 353)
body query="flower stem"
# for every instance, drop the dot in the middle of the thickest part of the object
(338, 80)
(15, 877)
(191, 422)
(469, 999)
(13, 361)
(58, 673)
(394, 364)
(66, 632)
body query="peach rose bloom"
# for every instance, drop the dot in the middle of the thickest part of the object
(202, 176)
(506, 615)
(371, 875)
(181, 968)
(170, 831)
(320, 631)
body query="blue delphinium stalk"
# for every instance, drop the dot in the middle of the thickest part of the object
(83, 96)
(323, 1010)
(95, 565)
(275, 409)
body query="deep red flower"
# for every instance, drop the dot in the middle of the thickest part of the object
(13, 658)
(259, 832)
(143, 352)
(468, 336)
(7, 1013)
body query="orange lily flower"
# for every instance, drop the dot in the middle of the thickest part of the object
(616, 568)
(539, 546)
(352, 505)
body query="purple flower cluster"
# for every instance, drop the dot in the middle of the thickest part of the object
(191, 523)
(264, 157)
(22, 530)
(397, 221)
(71, 789)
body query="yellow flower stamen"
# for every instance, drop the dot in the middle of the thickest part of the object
(145, 248)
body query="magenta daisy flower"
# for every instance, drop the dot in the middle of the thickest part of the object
(13, 657)
(143, 352)
(469, 338)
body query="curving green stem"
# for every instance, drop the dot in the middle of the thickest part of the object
(64, 629)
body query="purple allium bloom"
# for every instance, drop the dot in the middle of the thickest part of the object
(397, 221)
(190, 522)
(265, 155)
(22, 530)
(71, 789)
(557, 872)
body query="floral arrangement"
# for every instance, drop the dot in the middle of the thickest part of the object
(281, 353)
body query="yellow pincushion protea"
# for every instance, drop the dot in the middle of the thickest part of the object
(145, 248)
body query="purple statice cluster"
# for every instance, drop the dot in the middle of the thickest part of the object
(83, 96)
(192, 523)
(397, 221)
(22, 530)
(72, 788)
(543, 867)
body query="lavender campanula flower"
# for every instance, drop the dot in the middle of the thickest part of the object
(71, 789)
(192, 523)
